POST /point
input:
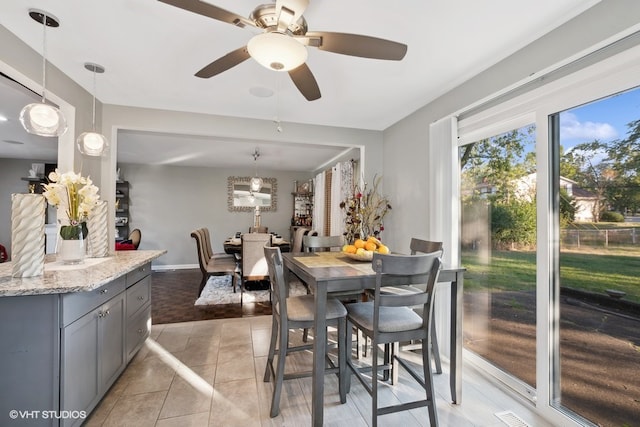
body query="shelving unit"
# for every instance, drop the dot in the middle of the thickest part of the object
(122, 209)
(302, 209)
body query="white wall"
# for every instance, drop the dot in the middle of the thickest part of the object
(167, 202)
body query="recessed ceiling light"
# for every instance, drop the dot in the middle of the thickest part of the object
(10, 141)
(261, 92)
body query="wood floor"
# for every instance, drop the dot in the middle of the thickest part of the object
(209, 373)
(174, 292)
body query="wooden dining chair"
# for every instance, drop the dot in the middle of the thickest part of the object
(135, 236)
(390, 319)
(416, 246)
(297, 312)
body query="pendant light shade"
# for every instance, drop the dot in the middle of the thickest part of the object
(40, 118)
(93, 143)
(43, 119)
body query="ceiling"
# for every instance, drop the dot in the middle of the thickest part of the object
(151, 51)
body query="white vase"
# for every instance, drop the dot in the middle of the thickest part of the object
(98, 239)
(27, 234)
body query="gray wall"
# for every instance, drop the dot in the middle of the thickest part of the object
(168, 202)
(406, 142)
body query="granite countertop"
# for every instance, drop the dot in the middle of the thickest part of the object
(58, 278)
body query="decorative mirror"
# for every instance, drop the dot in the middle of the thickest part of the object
(240, 199)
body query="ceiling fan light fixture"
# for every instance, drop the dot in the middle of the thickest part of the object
(277, 51)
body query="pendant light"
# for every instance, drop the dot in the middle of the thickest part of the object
(93, 143)
(256, 182)
(40, 118)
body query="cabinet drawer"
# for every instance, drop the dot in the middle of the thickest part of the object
(138, 330)
(138, 296)
(138, 273)
(77, 304)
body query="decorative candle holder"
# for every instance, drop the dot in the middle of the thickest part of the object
(27, 234)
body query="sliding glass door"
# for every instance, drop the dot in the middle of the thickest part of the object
(498, 230)
(550, 235)
(598, 192)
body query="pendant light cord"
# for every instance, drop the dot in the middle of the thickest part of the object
(93, 117)
(44, 57)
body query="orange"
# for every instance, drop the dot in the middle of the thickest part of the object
(383, 249)
(370, 246)
(350, 249)
(359, 243)
(360, 251)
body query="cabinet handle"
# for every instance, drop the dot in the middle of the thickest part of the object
(104, 291)
(140, 330)
(140, 298)
(100, 314)
(106, 313)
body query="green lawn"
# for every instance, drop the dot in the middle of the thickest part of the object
(593, 272)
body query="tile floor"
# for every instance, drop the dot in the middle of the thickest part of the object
(209, 373)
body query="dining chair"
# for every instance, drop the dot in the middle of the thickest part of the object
(297, 312)
(296, 244)
(135, 237)
(218, 265)
(417, 246)
(390, 319)
(254, 264)
(322, 243)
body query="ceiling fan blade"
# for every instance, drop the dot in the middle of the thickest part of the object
(211, 11)
(305, 82)
(230, 60)
(357, 45)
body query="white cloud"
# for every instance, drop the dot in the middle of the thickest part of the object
(572, 128)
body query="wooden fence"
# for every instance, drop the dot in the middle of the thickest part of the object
(601, 238)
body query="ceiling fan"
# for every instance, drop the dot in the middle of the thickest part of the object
(282, 44)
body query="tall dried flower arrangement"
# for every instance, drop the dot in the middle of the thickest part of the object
(365, 212)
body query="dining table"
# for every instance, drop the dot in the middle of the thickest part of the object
(328, 272)
(234, 245)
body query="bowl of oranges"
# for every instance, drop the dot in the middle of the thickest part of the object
(363, 250)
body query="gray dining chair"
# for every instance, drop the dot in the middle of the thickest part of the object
(322, 243)
(390, 319)
(297, 312)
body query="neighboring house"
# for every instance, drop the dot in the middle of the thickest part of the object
(525, 188)
(585, 201)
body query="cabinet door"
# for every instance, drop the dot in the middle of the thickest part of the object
(112, 347)
(79, 375)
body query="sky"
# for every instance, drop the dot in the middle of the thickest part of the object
(605, 119)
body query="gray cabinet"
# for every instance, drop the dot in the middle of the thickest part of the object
(93, 356)
(62, 352)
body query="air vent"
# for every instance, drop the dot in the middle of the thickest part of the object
(511, 419)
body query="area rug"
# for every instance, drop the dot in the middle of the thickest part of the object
(218, 290)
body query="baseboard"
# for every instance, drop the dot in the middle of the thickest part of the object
(174, 267)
